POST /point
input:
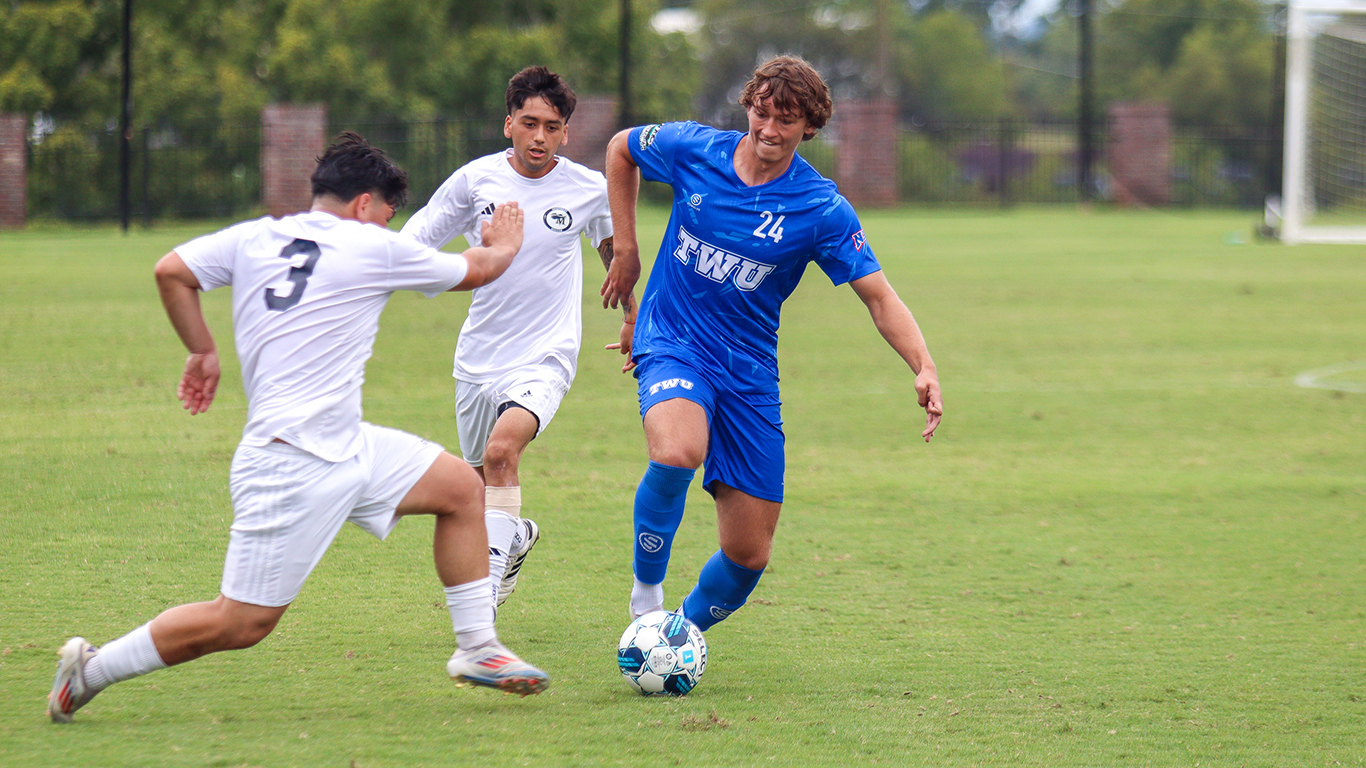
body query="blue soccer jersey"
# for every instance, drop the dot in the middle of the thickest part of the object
(733, 253)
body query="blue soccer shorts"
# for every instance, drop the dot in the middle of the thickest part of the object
(746, 443)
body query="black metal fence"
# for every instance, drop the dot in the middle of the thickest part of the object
(431, 150)
(74, 170)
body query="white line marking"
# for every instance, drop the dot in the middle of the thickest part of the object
(1319, 377)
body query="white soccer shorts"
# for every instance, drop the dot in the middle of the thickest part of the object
(537, 388)
(288, 506)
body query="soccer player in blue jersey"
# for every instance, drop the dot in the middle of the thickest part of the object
(749, 215)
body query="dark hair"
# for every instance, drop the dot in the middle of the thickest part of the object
(539, 81)
(794, 86)
(351, 167)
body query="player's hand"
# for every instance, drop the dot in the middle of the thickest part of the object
(199, 382)
(927, 391)
(627, 332)
(621, 275)
(504, 229)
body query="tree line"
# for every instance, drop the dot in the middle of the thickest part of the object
(204, 69)
(214, 62)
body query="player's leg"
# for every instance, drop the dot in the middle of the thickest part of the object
(450, 490)
(476, 416)
(512, 433)
(676, 437)
(745, 473)
(501, 419)
(188, 632)
(178, 635)
(287, 507)
(527, 401)
(745, 524)
(510, 537)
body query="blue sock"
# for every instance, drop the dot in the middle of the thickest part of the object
(658, 513)
(722, 587)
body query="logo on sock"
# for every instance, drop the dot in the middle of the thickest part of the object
(651, 543)
(719, 613)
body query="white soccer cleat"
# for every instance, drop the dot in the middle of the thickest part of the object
(69, 691)
(494, 666)
(531, 533)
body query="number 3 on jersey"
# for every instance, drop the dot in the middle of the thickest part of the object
(775, 228)
(298, 275)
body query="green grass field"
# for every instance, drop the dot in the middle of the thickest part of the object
(1134, 541)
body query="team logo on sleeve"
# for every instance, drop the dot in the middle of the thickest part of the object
(558, 219)
(859, 240)
(648, 134)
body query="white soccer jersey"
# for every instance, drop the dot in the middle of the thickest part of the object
(534, 312)
(308, 291)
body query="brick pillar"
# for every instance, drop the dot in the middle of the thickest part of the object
(1140, 153)
(13, 168)
(592, 125)
(292, 137)
(867, 150)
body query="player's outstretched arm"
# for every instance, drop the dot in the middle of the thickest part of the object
(623, 186)
(179, 290)
(501, 236)
(896, 324)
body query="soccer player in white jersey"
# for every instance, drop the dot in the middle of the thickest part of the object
(308, 291)
(518, 349)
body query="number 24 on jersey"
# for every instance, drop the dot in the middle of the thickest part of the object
(774, 227)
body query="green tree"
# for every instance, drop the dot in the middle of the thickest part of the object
(1044, 73)
(207, 67)
(948, 70)
(1210, 60)
(58, 57)
(941, 64)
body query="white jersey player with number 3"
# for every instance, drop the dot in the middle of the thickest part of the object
(308, 291)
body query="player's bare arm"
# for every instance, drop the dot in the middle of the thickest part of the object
(501, 236)
(897, 325)
(179, 289)
(623, 186)
(628, 309)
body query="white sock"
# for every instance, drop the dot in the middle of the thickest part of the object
(646, 597)
(502, 508)
(129, 656)
(471, 613)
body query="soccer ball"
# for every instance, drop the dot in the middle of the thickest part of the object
(662, 653)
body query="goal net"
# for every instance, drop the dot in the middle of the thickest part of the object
(1324, 192)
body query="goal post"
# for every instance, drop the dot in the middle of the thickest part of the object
(1323, 197)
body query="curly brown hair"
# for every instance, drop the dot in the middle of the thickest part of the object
(793, 86)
